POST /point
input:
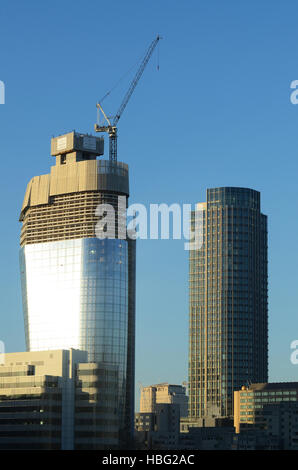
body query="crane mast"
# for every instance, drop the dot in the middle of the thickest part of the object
(111, 127)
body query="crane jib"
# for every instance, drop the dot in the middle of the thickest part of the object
(111, 128)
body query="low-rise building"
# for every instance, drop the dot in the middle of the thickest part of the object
(249, 402)
(55, 399)
(254, 439)
(207, 438)
(37, 399)
(281, 420)
(163, 393)
(159, 429)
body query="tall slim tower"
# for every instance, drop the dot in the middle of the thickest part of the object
(228, 312)
(79, 289)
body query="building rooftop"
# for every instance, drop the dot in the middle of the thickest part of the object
(272, 386)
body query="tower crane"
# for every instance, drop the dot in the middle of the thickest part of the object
(111, 127)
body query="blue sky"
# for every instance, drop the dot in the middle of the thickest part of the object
(216, 113)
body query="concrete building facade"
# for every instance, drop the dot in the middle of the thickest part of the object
(153, 395)
(57, 400)
(37, 399)
(158, 429)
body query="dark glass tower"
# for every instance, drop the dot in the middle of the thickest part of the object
(78, 286)
(228, 310)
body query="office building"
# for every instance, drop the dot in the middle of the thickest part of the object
(158, 429)
(281, 421)
(228, 325)
(207, 438)
(163, 393)
(255, 439)
(251, 403)
(57, 400)
(78, 276)
(37, 399)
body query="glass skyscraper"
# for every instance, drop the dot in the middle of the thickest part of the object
(78, 287)
(228, 309)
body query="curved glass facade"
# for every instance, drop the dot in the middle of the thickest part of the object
(75, 295)
(228, 332)
(78, 288)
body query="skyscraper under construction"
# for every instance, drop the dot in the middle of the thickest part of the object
(228, 312)
(78, 288)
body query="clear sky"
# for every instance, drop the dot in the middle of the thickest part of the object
(216, 113)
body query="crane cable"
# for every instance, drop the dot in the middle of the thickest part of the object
(120, 79)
